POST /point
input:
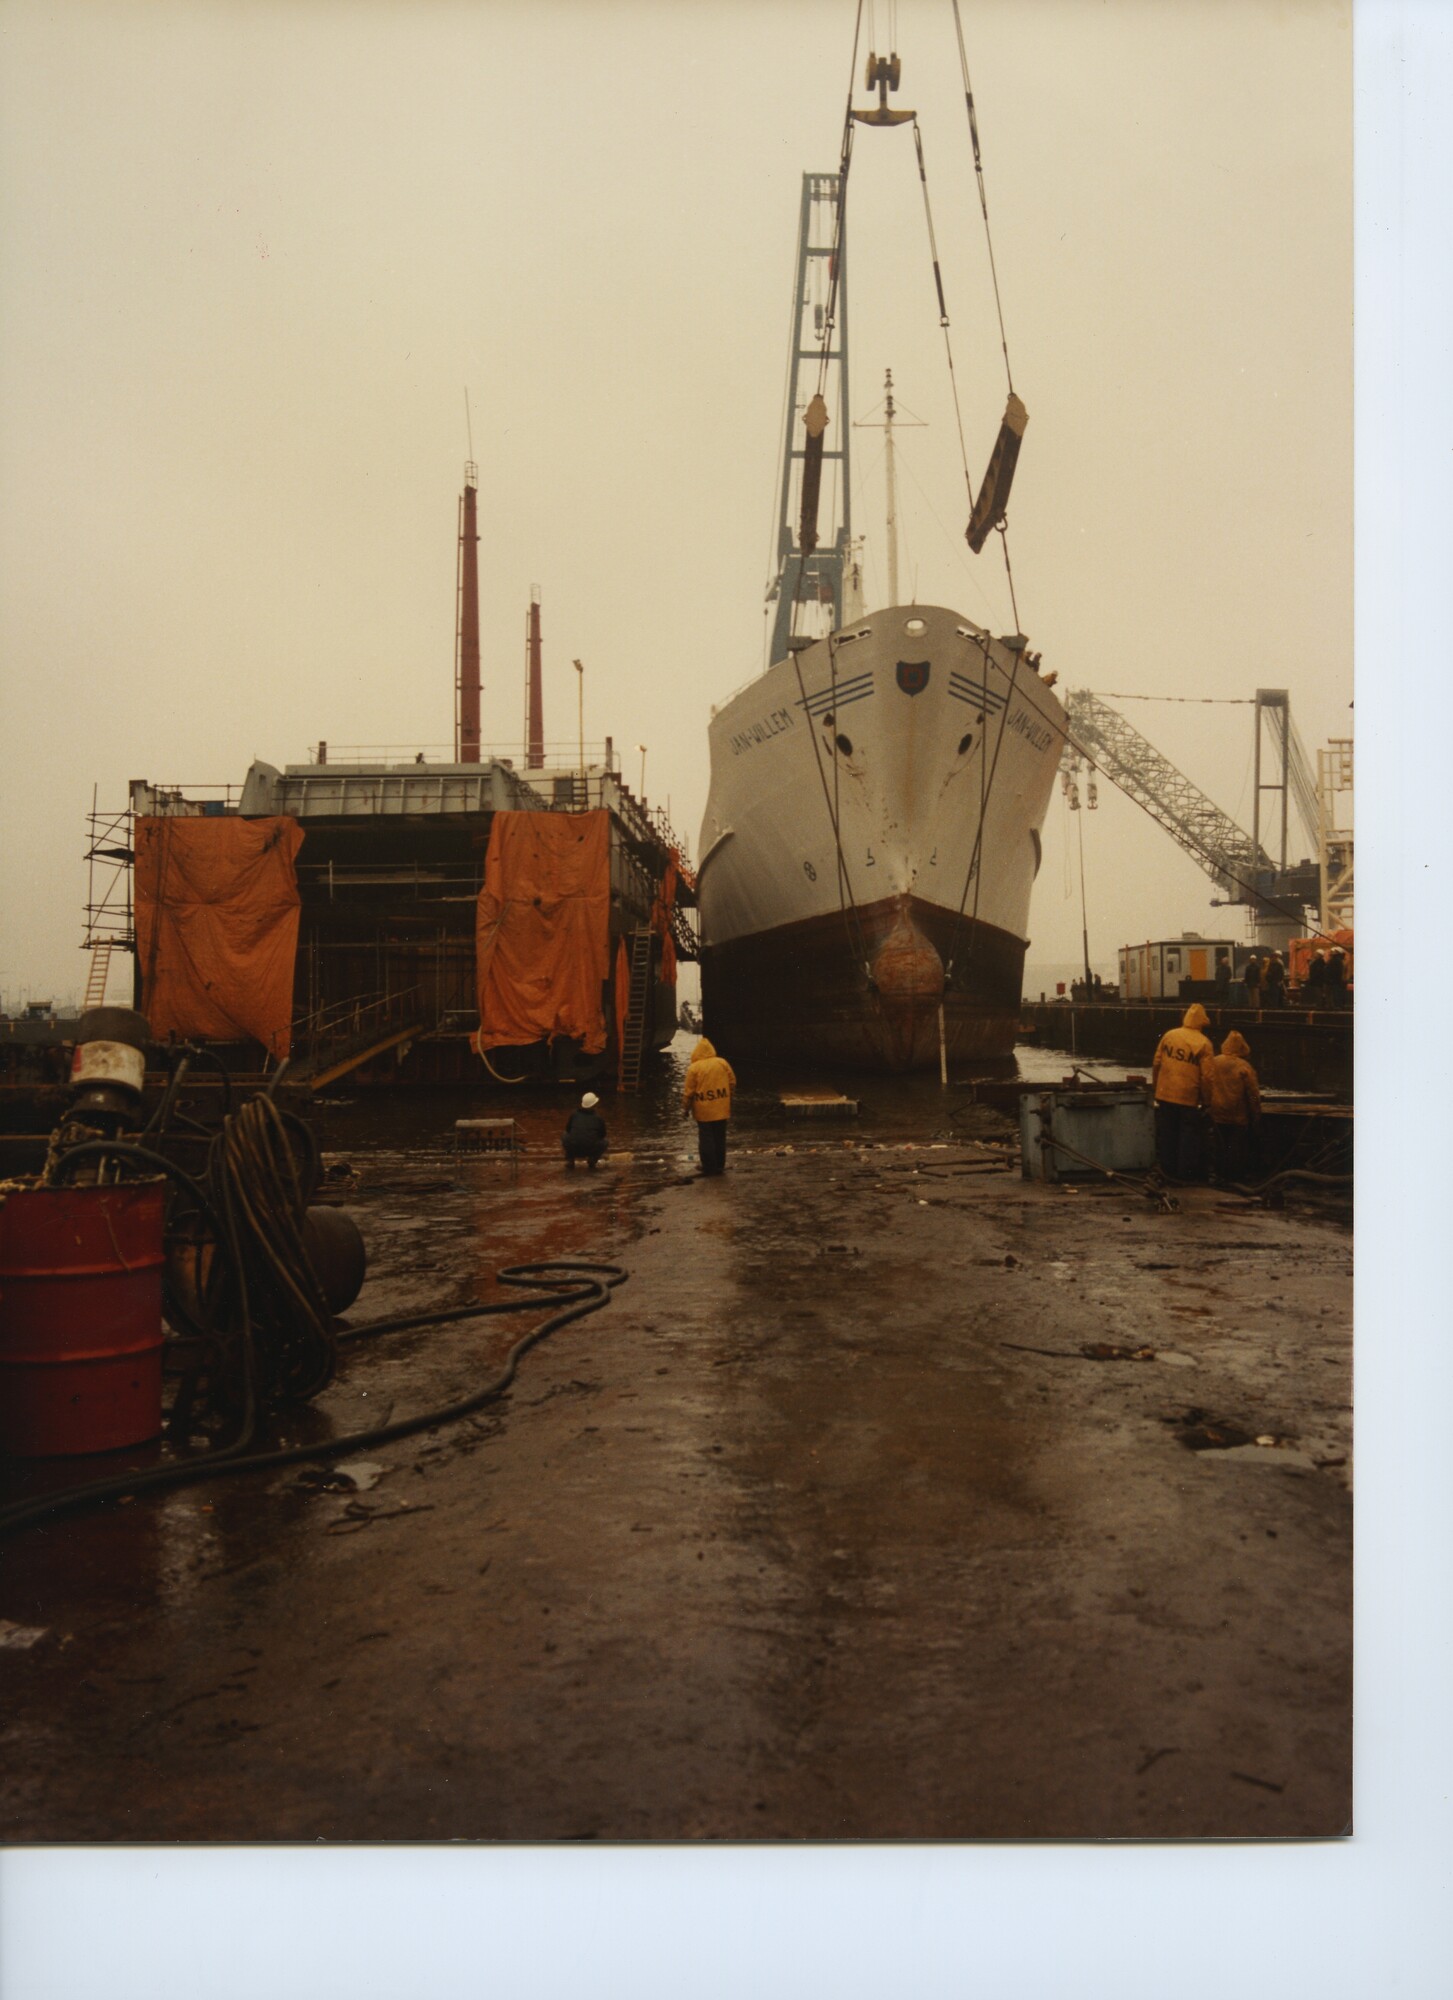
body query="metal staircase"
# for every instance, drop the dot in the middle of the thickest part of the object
(342, 1037)
(633, 1047)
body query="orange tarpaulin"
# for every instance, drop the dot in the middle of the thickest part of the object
(217, 927)
(542, 932)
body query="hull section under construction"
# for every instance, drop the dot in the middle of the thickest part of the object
(870, 843)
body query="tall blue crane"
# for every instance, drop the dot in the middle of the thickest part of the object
(814, 575)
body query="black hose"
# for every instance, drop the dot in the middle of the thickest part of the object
(268, 1334)
(585, 1293)
(157, 1122)
(264, 1191)
(1289, 1174)
(129, 1150)
(211, 1056)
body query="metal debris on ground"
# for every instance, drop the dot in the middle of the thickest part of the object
(818, 1104)
(355, 1516)
(20, 1638)
(362, 1473)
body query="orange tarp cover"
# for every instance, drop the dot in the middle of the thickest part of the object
(542, 932)
(217, 927)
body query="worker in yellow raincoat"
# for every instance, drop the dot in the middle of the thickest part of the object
(707, 1095)
(1182, 1073)
(1235, 1109)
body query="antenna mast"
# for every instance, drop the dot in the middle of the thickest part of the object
(891, 415)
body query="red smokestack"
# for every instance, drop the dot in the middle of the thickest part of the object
(535, 722)
(466, 681)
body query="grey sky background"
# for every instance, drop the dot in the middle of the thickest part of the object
(255, 254)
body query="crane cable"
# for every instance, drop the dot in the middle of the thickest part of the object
(974, 874)
(943, 316)
(833, 268)
(834, 261)
(847, 902)
(848, 905)
(983, 194)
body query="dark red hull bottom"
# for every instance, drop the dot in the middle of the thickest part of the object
(864, 991)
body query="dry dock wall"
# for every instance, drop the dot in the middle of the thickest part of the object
(1291, 1050)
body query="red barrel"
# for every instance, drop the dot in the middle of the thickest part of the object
(80, 1318)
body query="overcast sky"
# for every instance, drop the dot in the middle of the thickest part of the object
(255, 254)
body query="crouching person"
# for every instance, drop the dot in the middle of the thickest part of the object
(1235, 1110)
(707, 1095)
(585, 1135)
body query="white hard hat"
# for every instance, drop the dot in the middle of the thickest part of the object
(589, 1101)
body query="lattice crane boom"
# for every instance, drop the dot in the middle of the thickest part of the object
(1211, 837)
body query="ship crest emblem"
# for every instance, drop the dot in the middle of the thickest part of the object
(913, 676)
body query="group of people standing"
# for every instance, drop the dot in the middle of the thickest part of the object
(1264, 980)
(1192, 1084)
(1326, 982)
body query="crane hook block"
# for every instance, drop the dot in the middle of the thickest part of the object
(993, 496)
(883, 72)
(882, 75)
(815, 421)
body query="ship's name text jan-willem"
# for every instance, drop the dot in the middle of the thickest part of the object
(759, 732)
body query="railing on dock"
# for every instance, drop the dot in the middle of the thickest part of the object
(348, 1033)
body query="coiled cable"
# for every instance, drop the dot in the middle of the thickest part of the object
(575, 1288)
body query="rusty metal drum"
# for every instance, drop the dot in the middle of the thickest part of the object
(80, 1318)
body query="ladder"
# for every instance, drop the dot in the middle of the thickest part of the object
(637, 1006)
(96, 977)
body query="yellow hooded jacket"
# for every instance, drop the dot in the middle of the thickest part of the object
(1235, 1094)
(707, 1093)
(1182, 1069)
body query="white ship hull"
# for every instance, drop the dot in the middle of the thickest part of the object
(870, 842)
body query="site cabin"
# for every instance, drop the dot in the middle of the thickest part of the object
(1160, 971)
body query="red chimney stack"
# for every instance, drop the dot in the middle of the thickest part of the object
(535, 714)
(466, 660)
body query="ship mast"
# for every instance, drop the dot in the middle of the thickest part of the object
(891, 415)
(892, 489)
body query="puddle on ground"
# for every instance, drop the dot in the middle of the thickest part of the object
(1199, 1431)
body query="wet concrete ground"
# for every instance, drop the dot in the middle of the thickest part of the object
(823, 1528)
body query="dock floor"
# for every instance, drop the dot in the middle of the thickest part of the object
(824, 1529)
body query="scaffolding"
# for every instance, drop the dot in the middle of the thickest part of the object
(1334, 843)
